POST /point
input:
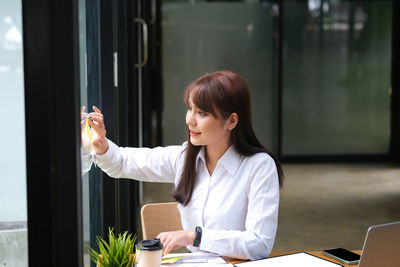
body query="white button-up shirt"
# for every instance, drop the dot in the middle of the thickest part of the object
(237, 206)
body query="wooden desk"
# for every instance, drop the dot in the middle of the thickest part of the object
(315, 253)
(318, 254)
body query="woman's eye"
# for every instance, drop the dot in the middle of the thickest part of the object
(201, 113)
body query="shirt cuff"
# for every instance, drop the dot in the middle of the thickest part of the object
(106, 157)
(207, 241)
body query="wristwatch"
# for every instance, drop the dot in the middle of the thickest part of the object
(197, 238)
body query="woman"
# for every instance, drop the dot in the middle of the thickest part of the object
(226, 182)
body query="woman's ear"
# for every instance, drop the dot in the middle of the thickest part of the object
(232, 121)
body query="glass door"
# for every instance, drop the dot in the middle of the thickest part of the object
(319, 71)
(199, 37)
(109, 82)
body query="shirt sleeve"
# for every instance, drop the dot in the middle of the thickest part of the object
(144, 164)
(261, 223)
(86, 161)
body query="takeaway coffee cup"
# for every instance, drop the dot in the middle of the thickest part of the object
(149, 253)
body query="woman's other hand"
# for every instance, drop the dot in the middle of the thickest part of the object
(176, 239)
(99, 141)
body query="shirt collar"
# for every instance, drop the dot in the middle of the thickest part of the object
(201, 156)
(230, 160)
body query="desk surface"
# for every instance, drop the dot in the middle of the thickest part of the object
(315, 253)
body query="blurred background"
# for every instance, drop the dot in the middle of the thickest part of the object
(324, 91)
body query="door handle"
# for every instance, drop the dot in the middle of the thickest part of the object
(145, 40)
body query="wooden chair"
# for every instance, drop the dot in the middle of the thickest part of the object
(160, 217)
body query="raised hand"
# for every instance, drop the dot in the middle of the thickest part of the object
(99, 141)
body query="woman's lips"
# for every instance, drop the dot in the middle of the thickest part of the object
(193, 133)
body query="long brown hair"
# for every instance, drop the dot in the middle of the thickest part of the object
(226, 92)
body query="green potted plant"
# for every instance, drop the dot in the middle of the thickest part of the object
(117, 252)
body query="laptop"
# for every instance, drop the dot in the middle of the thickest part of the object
(382, 246)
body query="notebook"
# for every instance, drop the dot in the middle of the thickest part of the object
(382, 246)
(297, 259)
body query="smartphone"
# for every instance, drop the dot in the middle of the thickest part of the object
(343, 255)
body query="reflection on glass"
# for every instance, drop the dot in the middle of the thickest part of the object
(336, 77)
(86, 142)
(13, 201)
(86, 157)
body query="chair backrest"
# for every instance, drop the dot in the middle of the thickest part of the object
(160, 217)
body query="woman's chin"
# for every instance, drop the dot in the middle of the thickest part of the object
(195, 142)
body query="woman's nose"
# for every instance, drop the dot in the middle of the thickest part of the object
(190, 120)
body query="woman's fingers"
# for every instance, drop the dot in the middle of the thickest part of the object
(162, 238)
(165, 239)
(97, 119)
(96, 115)
(100, 132)
(95, 126)
(168, 248)
(96, 109)
(176, 239)
(170, 244)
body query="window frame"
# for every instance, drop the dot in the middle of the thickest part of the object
(51, 74)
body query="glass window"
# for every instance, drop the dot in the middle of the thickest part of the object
(336, 77)
(202, 37)
(91, 178)
(84, 102)
(13, 202)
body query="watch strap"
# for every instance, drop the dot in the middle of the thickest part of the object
(197, 239)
